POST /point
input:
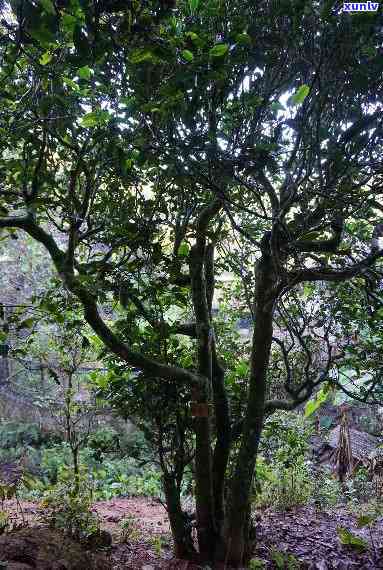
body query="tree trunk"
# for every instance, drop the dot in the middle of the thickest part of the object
(206, 530)
(76, 470)
(179, 523)
(237, 526)
(221, 406)
(4, 368)
(222, 446)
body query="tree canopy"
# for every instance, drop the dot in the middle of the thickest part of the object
(151, 147)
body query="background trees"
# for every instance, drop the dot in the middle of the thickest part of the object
(148, 151)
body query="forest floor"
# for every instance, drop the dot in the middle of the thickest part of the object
(306, 533)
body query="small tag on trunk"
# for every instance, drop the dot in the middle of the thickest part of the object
(199, 410)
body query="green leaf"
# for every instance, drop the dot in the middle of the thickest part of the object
(45, 58)
(277, 106)
(313, 405)
(48, 7)
(68, 23)
(183, 250)
(347, 538)
(141, 55)
(310, 408)
(193, 5)
(43, 35)
(242, 369)
(243, 39)
(308, 290)
(278, 558)
(219, 50)
(95, 118)
(257, 564)
(192, 35)
(84, 72)
(128, 101)
(187, 55)
(26, 324)
(365, 520)
(90, 120)
(72, 84)
(300, 95)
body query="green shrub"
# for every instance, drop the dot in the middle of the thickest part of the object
(104, 441)
(69, 511)
(284, 487)
(21, 434)
(116, 465)
(283, 476)
(111, 478)
(359, 489)
(135, 444)
(284, 560)
(13, 434)
(54, 460)
(129, 529)
(326, 489)
(286, 437)
(119, 478)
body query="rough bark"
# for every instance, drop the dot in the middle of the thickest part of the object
(223, 439)
(76, 469)
(179, 523)
(201, 396)
(4, 370)
(201, 258)
(221, 405)
(237, 525)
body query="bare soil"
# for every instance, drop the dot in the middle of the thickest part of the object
(308, 534)
(311, 536)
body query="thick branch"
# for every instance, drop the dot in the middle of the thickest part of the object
(91, 313)
(270, 192)
(335, 276)
(322, 246)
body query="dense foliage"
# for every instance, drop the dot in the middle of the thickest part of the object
(150, 148)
